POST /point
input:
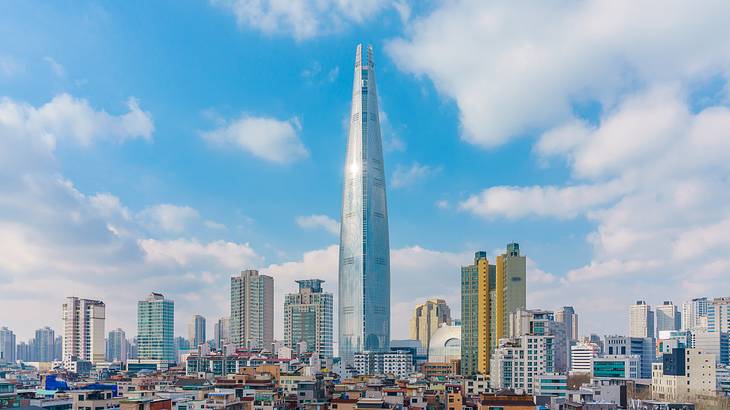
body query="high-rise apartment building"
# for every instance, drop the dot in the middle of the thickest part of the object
(568, 316)
(510, 289)
(155, 328)
(426, 319)
(718, 315)
(476, 282)
(308, 318)
(7, 346)
(537, 322)
(694, 314)
(519, 361)
(116, 346)
(83, 330)
(641, 320)
(364, 260)
(196, 331)
(45, 344)
(222, 332)
(489, 293)
(667, 317)
(252, 309)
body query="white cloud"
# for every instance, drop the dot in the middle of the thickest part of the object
(561, 202)
(515, 68)
(653, 176)
(169, 218)
(301, 19)
(406, 176)
(57, 68)
(267, 138)
(319, 221)
(66, 117)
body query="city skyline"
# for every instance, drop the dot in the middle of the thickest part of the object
(139, 166)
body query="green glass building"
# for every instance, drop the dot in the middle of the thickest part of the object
(155, 328)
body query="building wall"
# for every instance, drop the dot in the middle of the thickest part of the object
(427, 318)
(252, 309)
(155, 328)
(84, 330)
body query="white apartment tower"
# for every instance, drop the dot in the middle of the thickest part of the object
(83, 330)
(641, 320)
(667, 317)
(252, 310)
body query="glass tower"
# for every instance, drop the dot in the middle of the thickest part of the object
(155, 328)
(308, 318)
(364, 268)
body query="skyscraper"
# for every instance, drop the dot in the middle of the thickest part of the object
(116, 346)
(364, 262)
(308, 318)
(426, 319)
(510, 289)
(667, 317)
(7, 345)
(83, 330)
(694, 314)
(222, 332)
(196, 331)
(45, 343)
(252, 309)
(718, 315)
(641, 320)
(155, 328)
(476, 282)
(570, 319)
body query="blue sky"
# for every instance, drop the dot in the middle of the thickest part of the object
(164, 146)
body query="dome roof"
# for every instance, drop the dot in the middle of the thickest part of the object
(445, 344)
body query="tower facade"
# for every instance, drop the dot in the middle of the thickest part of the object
(45, 340)
(116, 346)
(364, 261)
(155, 328)
(510, 288)
(476, 317)
(426, 319)
(7, 346)
(667, 317)
(570, 318)
(252, 310)
(641, 320)
(196, 331)
(222, 332)
(308, 318)
(83, 330)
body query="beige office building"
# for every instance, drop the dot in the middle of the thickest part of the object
(427, 318)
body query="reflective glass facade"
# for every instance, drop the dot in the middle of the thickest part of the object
(364, 269)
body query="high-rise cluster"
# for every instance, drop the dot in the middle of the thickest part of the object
(489, 294)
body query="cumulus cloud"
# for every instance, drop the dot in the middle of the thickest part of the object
(58, 241)
(319, 222)
(653, 176)
(515, 68)
(168, 217)
(406, 176)
(270, 139)
(67, 117)
(301, 19)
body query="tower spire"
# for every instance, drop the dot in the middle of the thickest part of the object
(364, 261)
